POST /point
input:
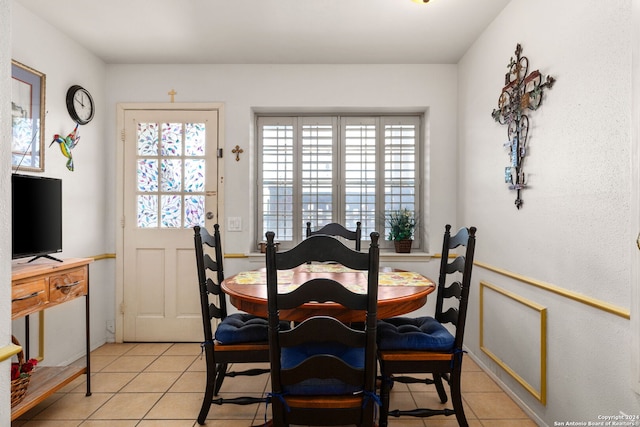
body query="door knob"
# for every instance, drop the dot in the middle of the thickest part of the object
(210, 215)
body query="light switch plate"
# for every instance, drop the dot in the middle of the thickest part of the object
(234, 223)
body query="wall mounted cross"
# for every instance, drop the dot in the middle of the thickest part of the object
(237, 151)
(172, 93)
(522, 91)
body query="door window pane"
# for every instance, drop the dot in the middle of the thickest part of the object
(147, 175)
(172, 139)
(147, 139)
(170, 176)
(147, 211)
(194, 140)
(171, 212)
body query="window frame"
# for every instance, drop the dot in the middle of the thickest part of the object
(339, 123)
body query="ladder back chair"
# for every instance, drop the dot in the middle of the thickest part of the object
(335, 229)
(323, 372)
(239, 338)
(423, 345)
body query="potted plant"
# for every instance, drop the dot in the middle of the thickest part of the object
(402, 224)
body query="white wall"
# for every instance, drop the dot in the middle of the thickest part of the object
(90, 193)
(572, 232)
(5, 208)
(574, 229)
(244, 88)
(85, 205)
(635, 197)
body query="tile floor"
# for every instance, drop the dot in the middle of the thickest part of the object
(148, 385)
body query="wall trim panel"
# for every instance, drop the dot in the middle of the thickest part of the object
(540, 392)
(593, 302)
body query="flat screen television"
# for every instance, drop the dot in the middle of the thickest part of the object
(36, 216)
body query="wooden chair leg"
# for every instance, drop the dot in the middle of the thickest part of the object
(208, 392)
(442, 394)
(456, 399)
(278, 417)
(385, 395)
(221, 371)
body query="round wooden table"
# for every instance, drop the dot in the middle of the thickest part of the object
(399, 291)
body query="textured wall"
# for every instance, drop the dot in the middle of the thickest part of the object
(5, 208)
(85, 205)
(311, 88)
(574, 229)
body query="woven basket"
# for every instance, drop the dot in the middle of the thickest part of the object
(403, 246)
(19, 386)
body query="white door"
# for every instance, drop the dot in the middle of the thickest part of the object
(170, 181)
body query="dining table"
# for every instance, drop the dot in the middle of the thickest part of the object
(399, 291)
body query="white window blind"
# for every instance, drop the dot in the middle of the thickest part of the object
(277, 186)
(399, 165)
(344, 169)
(361, 174)
(317, 171)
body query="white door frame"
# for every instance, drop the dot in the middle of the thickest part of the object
(122, 108)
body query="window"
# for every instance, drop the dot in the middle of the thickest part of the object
(342, 169)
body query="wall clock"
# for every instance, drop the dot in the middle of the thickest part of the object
(80, 104)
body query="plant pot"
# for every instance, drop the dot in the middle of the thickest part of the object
(403, 246)
(263, 246)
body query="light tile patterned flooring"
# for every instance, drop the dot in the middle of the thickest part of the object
(147, 385)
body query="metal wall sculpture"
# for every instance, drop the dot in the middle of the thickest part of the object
(522, 91)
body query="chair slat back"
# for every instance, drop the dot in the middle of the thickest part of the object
(336, 229)
(210, 276)
(326, 249)
(239, 338)
(306, 354)
(322, 290)
(450, 286)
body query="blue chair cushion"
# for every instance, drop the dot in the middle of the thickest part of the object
(407, 333)
(242, 327)
(293, 356)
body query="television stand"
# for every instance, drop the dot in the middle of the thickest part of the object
(34, 288)
(44, 256)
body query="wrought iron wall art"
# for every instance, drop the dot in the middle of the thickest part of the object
(522, 91)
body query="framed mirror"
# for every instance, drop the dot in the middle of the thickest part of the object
(28, 91)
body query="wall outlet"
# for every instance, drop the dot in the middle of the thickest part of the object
(111, 326)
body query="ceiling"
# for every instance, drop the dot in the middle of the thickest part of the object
(271, 31)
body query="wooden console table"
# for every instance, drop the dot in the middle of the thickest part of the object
(35, 287)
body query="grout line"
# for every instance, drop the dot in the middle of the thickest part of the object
(258, 415)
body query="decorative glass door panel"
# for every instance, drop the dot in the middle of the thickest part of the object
(171, 170)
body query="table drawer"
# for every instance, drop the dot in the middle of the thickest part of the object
(68, 285)
(28, 296)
